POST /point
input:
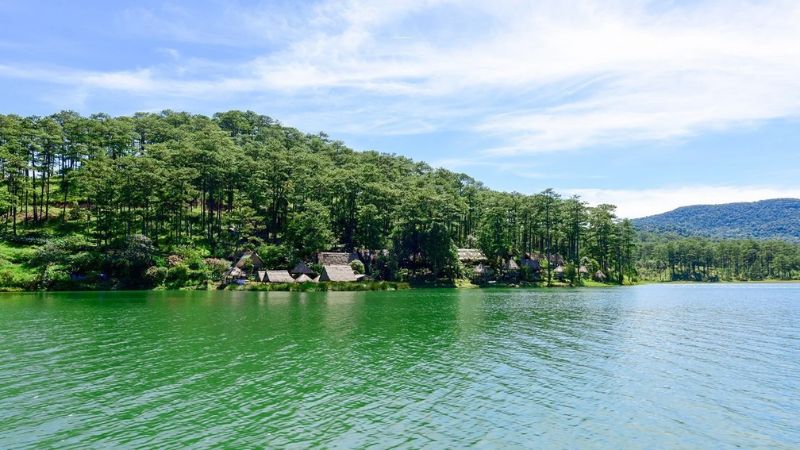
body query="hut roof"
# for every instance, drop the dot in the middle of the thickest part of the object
(341, 272)
(303, 278)
(335, 258)
(533, 264)
(261, 274)
(511, 264)
(583, 269)
(253, 257)
(303, 268)
(278, 276)
(559, 269)
(235, 272)
(470, 255)
(599, 275)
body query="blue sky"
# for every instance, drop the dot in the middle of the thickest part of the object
(649, 105)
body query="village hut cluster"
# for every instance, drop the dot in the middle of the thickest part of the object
(338, 267)
(335, 266)
(530, 267)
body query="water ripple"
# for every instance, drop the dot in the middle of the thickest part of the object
(651, 366)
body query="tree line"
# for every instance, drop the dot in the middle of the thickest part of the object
(674, 258)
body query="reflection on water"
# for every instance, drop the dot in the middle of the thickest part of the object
(651, 366)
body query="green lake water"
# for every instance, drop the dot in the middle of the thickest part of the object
(678, 366)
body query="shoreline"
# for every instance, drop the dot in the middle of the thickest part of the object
(395, 286)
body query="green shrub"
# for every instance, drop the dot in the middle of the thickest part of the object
(191, 256)
(156, 275)
(178, 274)
(357, 266)
(216, 267)
(275, 256)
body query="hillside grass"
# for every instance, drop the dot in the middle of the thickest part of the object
(16, 273)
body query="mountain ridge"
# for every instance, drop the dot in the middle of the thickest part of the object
(777, 218)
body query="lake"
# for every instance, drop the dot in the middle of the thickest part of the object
(680, 366)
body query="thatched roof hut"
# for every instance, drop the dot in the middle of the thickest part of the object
(252, 257)
(277, 276)
(531, 263)
(336, 258)
(304, 278)
(600, 276)
(338, 273)
(583, 270)
(559, 269)
(482, 270)
(470, 255)
(302, 268)
(233, 274)
(510, 265)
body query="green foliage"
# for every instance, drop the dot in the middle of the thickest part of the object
(571, 274)
(156, 275)
(316, 268)
(189, 255)
(216, 267)
(308, 230)
(275, 256)
(357, 266)
(672, 258)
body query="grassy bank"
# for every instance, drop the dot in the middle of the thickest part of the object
(322, 286)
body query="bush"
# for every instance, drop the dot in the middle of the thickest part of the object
(216, 267)
(55, 276)
(155, 275)
(191, 256)
(357, 266)
(59, 250)
(570, 273)
(274, 256)
(178, 274)
(76, 213)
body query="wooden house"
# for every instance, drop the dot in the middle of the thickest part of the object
(338, 272)
(470, 256)
(304, 278)
(302, 269)
(600, 276)
(277, 276)
(336, 258)
(234, 275)
(510, 265)
(559, 272)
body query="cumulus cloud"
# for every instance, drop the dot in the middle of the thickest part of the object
(535, 76)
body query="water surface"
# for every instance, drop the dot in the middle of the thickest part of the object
(681, 366)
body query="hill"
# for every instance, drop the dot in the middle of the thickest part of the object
(766, 219)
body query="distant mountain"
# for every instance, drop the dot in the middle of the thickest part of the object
(767, 219)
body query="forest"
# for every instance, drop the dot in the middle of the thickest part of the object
(170, 199)
(665, 257)
(776, 219)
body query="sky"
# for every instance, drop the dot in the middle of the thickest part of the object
(648, 105)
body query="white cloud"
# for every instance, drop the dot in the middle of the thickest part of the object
(533, 76)
(646, 202)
